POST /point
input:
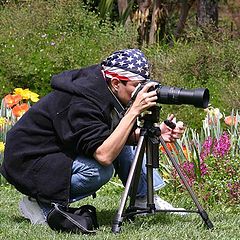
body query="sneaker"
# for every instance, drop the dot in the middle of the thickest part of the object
(30, 209)
(160, 204)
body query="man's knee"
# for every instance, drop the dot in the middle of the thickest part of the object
(89, 180)
(106, 173)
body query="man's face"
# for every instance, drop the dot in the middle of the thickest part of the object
(126, 89)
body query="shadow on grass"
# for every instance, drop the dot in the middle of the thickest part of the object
(105, 218)
(19, 219)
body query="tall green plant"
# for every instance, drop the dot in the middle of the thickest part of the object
(105, 7)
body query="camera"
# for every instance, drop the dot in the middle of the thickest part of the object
(198, 97)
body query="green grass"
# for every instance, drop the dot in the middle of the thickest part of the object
(226, 221)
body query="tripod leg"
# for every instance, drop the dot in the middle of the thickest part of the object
(136, 177)
(152, 161)
(150, 190)
(118, 219)
(202, 212)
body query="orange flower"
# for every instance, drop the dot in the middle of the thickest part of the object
(170, 146)
(19, 110)
(173, 149)
(230, 120)
(185, 152)
(11, 100)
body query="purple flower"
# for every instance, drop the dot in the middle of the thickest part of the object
(188, 171)
(217, 147)
(221, 146)
(234, 190)
(203, 168)
(206, 148)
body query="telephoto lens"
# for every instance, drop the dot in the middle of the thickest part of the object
(198, 97)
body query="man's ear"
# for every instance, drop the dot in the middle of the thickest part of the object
(115, 84)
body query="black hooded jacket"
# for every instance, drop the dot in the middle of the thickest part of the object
(75, 118)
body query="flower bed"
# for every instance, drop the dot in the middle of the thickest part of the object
(210, 160)
(13, 106)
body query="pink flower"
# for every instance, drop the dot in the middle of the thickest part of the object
(217, 147)
(206, 148)
(222, 146)
(234, 190)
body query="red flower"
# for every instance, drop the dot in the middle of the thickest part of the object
(170, 146)
(185, 151)
(19, 110)
(11, 100)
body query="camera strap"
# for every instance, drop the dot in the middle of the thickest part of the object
(118, 107)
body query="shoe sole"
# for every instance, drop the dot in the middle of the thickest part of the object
(24, 211)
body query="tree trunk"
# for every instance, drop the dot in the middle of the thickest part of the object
(156, 20)
(122, 7)
(234, 10)
(142, 18)
(207, 13)
(185, 7)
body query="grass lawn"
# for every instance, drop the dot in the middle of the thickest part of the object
(226, 221)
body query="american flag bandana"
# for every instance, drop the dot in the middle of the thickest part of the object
(127, 64)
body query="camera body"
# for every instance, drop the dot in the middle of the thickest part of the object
(198, 97)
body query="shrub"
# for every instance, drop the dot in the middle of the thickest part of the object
(42, 38)
(209, 63)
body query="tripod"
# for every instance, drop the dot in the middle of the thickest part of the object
(149, 140)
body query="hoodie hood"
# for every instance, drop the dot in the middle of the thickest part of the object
(86, 82)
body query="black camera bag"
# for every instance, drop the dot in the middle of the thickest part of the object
(76, 220)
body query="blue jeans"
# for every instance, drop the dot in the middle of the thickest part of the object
(88, 175)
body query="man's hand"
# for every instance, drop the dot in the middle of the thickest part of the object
(169, 134)
(144, 99)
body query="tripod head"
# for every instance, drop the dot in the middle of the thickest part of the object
(151, 117)
(151, 133)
